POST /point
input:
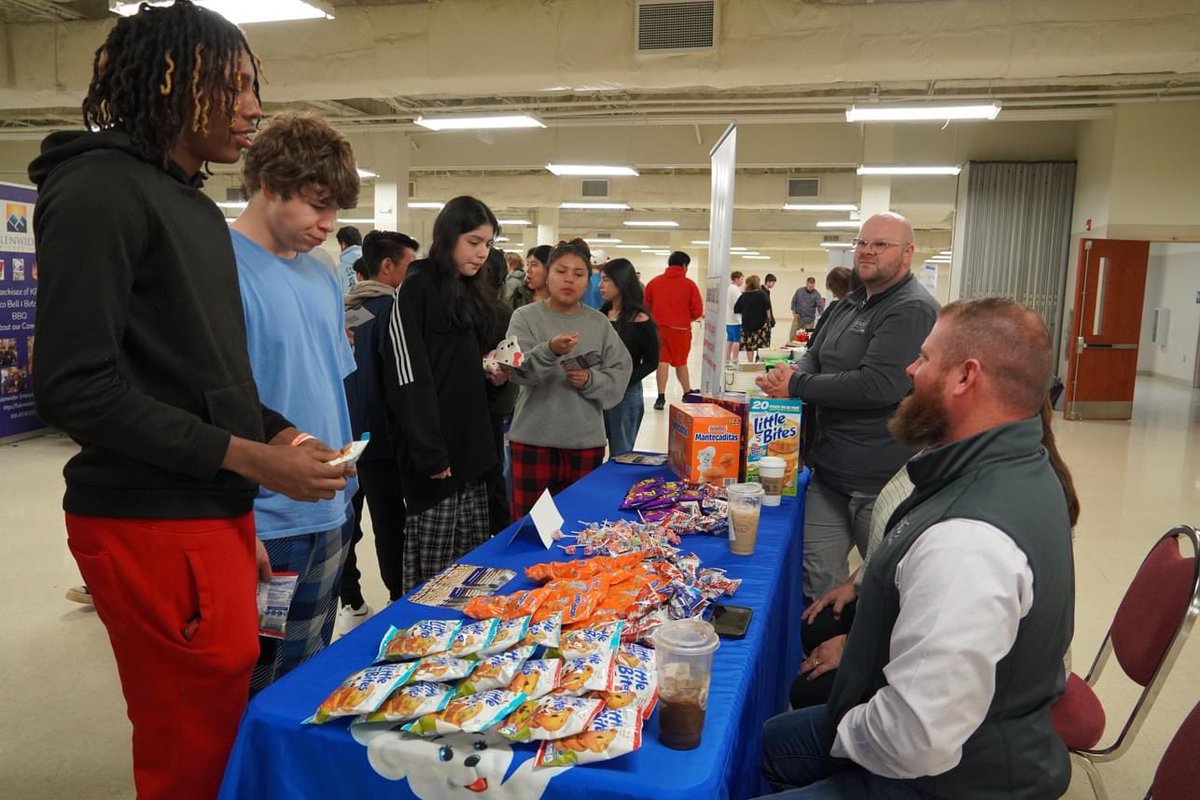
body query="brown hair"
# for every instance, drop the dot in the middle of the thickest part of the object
(575, 247)
(298, 151)
(1057, 463)
(752, 284)
(1010, 341)
(838, 281)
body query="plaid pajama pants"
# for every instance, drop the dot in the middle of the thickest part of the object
(438, 535)
(317, 558)
(535, 469)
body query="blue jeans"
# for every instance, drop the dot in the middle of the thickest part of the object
(797, 763)
(621, 422)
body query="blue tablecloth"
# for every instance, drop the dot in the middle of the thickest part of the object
(277, 757)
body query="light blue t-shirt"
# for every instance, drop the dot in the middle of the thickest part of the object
(299, 355)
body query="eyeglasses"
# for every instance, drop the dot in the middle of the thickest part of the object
(878, 245)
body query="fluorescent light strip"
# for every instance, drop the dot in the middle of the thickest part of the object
(593, 170)
(366, 173)
(919, 113)
(480, 122)
(358, 220)
(425, 204)
(936, 260)
(739, 249)
(514, 222)
(837, 245)
(632, 246)
(757, 258)
(235, 204)
(652, 223)
(820, 207)
(603, 241)
(240, 12)
(700, 241)
(949, 170)
(580, 206)
(852, 224)
(945, 253)
(499, 239)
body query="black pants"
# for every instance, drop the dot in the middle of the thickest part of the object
(807, 693)
(379, 485)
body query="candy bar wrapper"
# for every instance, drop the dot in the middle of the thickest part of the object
(635, 655)
(614, 732)
(590, 673)
(473, 638)
(472, 713)
(442, 668)
(583, 361)
(552, 717)
(495, 672)
(581, 642)
(547, 633)
(508, 635)
(644, 491)
(426, 638)
(687, 601)
(410, 702)
(632, 686)
(537, 677)
(362, 692)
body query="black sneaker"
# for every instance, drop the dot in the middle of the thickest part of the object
(660, 403)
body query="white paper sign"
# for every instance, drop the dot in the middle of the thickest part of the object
(546, 518)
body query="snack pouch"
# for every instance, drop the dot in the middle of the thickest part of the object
(425, 638)
(537, 677)
(410, 702)
(472, 713)
(506, 606)
(509, 634)
(362, 692)
(474, 637)
(551, 717)
(614, 732)
(590, 640)
(632, 687)
(590, 673)
(495, 672)
(547, 632)
(442, 668)
(635, 655)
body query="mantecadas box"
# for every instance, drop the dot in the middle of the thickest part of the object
(773, 429)
(705, 443)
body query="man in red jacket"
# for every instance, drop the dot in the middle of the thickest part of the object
(674, 303)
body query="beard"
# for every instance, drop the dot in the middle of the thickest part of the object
(920, 421)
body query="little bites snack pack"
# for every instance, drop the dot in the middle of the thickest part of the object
(774, 430)
(705, 443)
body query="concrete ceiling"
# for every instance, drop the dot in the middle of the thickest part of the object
(784, 69)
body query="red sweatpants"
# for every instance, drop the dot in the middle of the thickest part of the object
(178, 600)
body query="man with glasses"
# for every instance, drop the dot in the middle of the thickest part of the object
(852, 378)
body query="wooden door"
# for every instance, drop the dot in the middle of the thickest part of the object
(1110, 285)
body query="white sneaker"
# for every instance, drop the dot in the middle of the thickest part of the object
(349, 617)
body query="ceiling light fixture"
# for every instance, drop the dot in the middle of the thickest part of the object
(479, 122)
(605, 240)
(366, 173)
(593, 170)
(700, 241)
(836, 245)
(921, 113)
(240, 12)
(232, 204)
(425, 204)
(514, 222)
(652, 223)
(757, 258)
(950, 170)
(820, 207)
(580, 206)
(945, 253)
(632, 246)
(852, 224)
(739, 249)
(938, 260)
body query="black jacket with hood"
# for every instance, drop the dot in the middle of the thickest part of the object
(140, 336)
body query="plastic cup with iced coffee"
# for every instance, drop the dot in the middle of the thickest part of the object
(683, 652)
(745, 506)
(771, 470)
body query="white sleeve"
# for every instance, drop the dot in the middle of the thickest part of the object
(964, 588)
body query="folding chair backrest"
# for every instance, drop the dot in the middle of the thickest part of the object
(1178, 773)
(1154, 607)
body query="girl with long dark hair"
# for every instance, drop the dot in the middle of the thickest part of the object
(626, 310)
(536, 261)
(557, 432)
(437, 391)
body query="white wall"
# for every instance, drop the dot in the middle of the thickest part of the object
(1172, 282)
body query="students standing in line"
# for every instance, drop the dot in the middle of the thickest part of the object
(625, 309)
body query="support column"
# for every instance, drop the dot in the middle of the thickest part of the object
(389, 159)
(547, 225)
(879, 148)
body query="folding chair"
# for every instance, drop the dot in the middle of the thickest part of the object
(1178, 774)
(1150, 626)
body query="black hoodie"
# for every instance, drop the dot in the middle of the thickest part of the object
(141, 340)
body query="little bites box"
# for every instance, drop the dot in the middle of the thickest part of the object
(773, 429)
(705, 443)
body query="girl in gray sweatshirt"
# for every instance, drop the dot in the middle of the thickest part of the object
(557, 432)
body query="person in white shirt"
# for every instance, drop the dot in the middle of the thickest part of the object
(733, 320)
(948, 674)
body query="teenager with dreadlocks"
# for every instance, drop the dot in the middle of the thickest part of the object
(142, 359)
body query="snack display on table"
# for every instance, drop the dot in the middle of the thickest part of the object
(473, 638)
(496, 671)
(537, 677)
(362, 692)
(472, 713)
(441, 668)
(614, 732)
(426, 638)
(411, 702)
(509, 633)
(553, 717)
(705, 444)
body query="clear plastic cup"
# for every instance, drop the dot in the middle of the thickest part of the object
(683, 651)
(771, 470)
(745, 506)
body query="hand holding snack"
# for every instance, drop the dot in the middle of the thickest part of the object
(564, 343)
(301, 472)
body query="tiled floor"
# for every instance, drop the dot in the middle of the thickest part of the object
(65, 736)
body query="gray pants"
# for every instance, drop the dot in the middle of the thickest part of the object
(833, 523)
